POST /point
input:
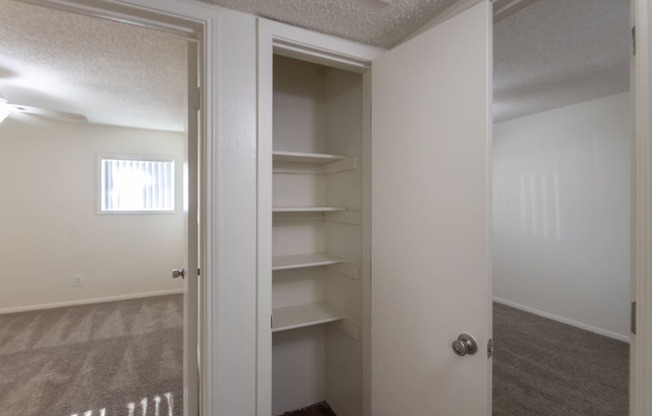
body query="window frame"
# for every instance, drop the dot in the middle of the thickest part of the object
(177, 190)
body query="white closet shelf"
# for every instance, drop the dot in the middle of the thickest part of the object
(297, 157)
(298, 261)
(300, 316)
(308, 209)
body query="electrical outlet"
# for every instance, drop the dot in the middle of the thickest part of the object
(77, 280)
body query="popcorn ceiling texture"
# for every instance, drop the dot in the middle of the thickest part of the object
(550, 54)
(555, 53)
(113, 73)
(372, 22)
(125, 75)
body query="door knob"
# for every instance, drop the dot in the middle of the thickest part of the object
(179, 273)
(465, 344)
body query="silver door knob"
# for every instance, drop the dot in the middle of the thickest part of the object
(179, 273)
(465, 344)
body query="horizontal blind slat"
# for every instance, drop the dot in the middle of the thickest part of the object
(137, 185)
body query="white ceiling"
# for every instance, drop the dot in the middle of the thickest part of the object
(549, 54)
(382, 23)
(112, 73)
(560, 52)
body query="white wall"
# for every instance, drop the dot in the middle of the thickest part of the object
(562, 214)
(49, 226)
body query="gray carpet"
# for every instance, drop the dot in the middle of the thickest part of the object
(125, 359)
(112, 359)
(546, 368)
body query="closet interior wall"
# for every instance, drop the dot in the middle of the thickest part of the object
(318, 110)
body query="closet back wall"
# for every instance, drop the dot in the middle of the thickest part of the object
(562, 214)
(50, 228)
(318, 110)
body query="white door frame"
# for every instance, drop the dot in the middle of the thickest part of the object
(191, 214)
(286, 40)
(641, 343)
(227, 317)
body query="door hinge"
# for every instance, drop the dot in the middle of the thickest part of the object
(271, 321)
(634, 40)
(633, 318)
(490, 348)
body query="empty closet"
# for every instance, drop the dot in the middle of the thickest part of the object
(372, 220)
(316, 236)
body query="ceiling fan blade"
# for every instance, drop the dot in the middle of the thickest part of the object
(62, 115)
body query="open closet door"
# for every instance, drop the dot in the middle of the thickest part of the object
(431, 123)
(190, 299)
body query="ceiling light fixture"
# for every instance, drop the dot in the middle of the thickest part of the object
(7, 109)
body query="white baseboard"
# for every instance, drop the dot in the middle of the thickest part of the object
(89, 301)
(561, 319)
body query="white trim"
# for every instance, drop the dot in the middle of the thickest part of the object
(641, 347)
(489, 205)
(286, 40)
(586, 327)
(191, 304)
(316, 47)
(229, 226)
(264, 214)
(365, 267)
(173, 19)
(90, 301)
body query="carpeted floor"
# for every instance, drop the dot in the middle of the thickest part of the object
(115, 359)
(546, 368)
(125, 359)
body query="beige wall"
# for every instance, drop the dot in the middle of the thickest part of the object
(562, 214)
(50, 228)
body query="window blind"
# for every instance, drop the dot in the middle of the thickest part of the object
(137, 185)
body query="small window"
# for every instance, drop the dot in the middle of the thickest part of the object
(136, 185)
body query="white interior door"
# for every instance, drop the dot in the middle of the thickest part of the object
(190, 298)
(430, 220)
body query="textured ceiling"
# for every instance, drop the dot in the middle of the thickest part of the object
(549, 54)
(374, 22)
(110, 72)
(559, 52)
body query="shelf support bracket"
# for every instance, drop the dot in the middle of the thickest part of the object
(349, 329)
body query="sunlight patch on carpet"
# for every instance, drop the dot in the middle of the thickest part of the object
(141, 408)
